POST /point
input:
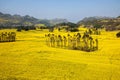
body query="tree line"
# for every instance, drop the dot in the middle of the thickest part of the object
(7, 36)
(77, 41)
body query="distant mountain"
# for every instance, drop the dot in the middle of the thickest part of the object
(92, 19)
(52, 21)
(18, 20)
(57, 21)
(109, 23)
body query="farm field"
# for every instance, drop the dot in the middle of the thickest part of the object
(30, 59)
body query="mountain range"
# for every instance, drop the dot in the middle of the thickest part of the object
(13, 21)
(18, 20)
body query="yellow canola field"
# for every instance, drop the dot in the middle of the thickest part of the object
(29, 58)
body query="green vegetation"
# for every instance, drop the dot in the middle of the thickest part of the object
(27, 22)
(7, 36)
(13, 21)
(118, 34)
(108, 23)
(75, 42)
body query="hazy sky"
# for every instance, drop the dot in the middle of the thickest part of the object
(73, 10)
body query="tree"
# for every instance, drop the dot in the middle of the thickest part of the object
(19, 29)
(97, 26)
(51, 29)
(118, 34)
(40, 26)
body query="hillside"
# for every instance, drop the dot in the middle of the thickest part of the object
(12, 21)
(104, 22)
(7, 20)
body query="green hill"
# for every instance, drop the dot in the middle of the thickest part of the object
(104, 22)
(7, 20)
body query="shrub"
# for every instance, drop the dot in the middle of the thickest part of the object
(26, 28)
(118, 34)
(19, 29)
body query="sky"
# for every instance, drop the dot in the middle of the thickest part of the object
(72, 10)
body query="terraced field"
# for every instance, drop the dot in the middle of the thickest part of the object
(30, 59)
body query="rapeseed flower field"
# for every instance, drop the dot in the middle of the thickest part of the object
(29, 58)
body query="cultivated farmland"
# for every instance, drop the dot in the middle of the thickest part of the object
(29, 58)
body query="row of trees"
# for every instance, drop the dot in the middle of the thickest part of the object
(93, 31)
(77, 42)
(7, 36)
(26, 28)
(72, 27)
